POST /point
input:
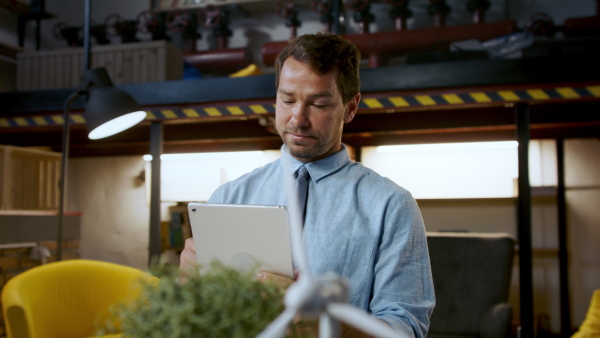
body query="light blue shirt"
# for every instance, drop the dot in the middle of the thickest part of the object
(359, 225)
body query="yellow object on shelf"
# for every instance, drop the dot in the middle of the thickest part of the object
(248, 71)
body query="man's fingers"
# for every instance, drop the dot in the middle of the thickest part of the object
(190, 244)
(188, 261)
(280, 281)
(188, 255)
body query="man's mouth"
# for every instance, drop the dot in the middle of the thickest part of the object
(299, 137)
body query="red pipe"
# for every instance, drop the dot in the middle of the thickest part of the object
(270, 50)
(400, 42)
(586, 26)
(221, 61)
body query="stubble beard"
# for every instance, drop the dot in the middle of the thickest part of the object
(302, 150)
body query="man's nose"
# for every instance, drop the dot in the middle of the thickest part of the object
(300, 115)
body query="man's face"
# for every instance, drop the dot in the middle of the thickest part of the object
(310, 114)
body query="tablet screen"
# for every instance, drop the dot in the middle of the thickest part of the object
(242, 236)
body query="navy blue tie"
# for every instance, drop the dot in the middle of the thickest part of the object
(302, 189)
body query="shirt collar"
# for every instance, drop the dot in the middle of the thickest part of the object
(317, 169)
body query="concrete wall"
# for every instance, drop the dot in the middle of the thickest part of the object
(115, 215)
(582, 159)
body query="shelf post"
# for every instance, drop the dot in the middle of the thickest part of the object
(563, 249)
(524, 222)
(156, 149)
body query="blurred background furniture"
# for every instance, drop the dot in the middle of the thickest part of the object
(68, 298)
(471, 276)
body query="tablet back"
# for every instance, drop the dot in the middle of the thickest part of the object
(242, 236)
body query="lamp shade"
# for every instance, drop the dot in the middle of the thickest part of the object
(109, 110)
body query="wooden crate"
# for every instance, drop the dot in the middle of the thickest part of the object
(29, 179)
(139, 62)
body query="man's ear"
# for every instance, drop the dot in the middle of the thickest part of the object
(351, 108)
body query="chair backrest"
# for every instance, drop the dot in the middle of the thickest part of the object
(471, 274)
(68, 298)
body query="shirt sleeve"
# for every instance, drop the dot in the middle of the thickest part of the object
(403, 294)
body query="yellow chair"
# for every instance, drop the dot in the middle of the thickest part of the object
(591, 324)
(68, 298)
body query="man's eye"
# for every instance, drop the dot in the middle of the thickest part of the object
(320, 106)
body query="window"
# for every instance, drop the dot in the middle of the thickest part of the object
(194, 177)
(461, 170)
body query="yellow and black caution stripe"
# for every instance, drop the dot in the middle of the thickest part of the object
(39, 121)
(404, 101)
(167, 114)
(559, 93)
(152, 115)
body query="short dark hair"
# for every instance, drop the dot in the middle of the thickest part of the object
(325, 52)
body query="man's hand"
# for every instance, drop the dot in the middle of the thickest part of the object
(188, 261)
(280, 281)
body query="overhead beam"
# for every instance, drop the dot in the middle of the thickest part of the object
(574, 68)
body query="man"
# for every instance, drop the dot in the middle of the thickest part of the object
(357, 224)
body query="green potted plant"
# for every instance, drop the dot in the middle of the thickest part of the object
(221, 302)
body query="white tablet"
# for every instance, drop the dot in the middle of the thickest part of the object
(242, 236)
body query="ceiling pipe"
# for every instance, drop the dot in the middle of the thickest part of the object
(222, 60)
(401, 42)
(363, 17)
(325, 9)
(182, 22)
(400, 13)
(478, 7)
(362, 14)
(439, 9)
(218, 20)
(288, 10)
